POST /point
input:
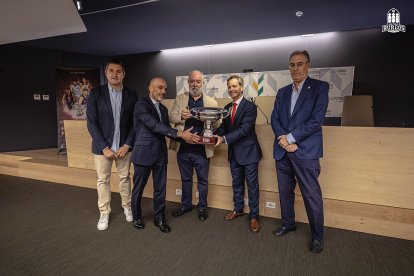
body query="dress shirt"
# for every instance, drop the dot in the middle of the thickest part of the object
(294, 99)
(116, 103)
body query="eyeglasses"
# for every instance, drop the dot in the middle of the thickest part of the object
(297, 65)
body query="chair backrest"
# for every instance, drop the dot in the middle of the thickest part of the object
(358, 111)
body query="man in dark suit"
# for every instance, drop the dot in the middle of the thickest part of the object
(150, 154)
(110, 122)
(297, 120)
(244, 152)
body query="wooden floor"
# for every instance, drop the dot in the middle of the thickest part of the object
(47, 165)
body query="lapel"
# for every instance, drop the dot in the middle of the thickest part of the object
(107, 99)
(154, 110)
(239, 112)
(303, 94)
(124, 100)
(164, 113)
(227, 120)
(184, 103)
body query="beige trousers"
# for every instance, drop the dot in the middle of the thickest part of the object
(103, 168)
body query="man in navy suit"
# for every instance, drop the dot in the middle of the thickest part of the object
(244, 152)
(149, 154)
(110, 122)
(297, 120)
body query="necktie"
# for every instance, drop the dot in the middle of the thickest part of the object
(157, 106)
(233, 112)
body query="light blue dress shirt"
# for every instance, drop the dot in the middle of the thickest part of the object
(116, 103)
(293, 100)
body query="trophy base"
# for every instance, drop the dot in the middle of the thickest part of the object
(207, 140)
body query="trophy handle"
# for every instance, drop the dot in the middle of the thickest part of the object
(194, 112)
(225, 113)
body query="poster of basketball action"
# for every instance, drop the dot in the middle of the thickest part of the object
(73, 86)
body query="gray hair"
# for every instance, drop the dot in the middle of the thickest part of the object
(300, 52)
(196, 71)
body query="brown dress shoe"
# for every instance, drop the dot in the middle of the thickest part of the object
(233, 215)
(254, 225)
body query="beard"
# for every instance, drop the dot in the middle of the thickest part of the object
(195, 92)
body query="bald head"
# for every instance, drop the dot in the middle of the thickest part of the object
(157, 89)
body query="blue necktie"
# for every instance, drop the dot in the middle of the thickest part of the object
(157, 106)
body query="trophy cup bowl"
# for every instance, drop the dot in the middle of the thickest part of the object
(208, 115)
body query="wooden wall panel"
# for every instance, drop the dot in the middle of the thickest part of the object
(368, 165)
(78, 144)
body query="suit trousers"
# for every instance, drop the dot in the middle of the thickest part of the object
(306, 172)
(239, 174)
(186, 163)
(159, 179)
(103, 169)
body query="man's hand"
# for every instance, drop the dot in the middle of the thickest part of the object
(109, 153)
(185, 114)
(122, 151)
(219, 140)
(283, 142)
(191, 138)
(291, 148)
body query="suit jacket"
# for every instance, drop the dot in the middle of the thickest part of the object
(241, 136)
(306, 120)
(180, 103)
(150, 132)
(100, 119)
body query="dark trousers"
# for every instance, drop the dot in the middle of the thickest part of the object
(187, 162)
(239, 174)
(306, 172)
(159, 177)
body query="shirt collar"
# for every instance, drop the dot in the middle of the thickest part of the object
(299, 86)
(113, 90)
(153, 101)
(239, 100)
(201, 97)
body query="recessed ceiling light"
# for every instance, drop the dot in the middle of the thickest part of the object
(299, 13)
(79, 5)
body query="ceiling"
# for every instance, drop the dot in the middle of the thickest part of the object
(22, 20)
(165, 24)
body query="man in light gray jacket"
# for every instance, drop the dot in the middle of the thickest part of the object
(190, 156)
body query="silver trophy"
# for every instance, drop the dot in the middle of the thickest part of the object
(208, 115)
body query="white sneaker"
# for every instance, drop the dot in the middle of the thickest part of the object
(128, 214)
(103, 222)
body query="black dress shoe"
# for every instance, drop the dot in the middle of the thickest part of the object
(202, 215)
(180, 211)
(316, 246)
(163, 226)
(283, 230)
(139, 224)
